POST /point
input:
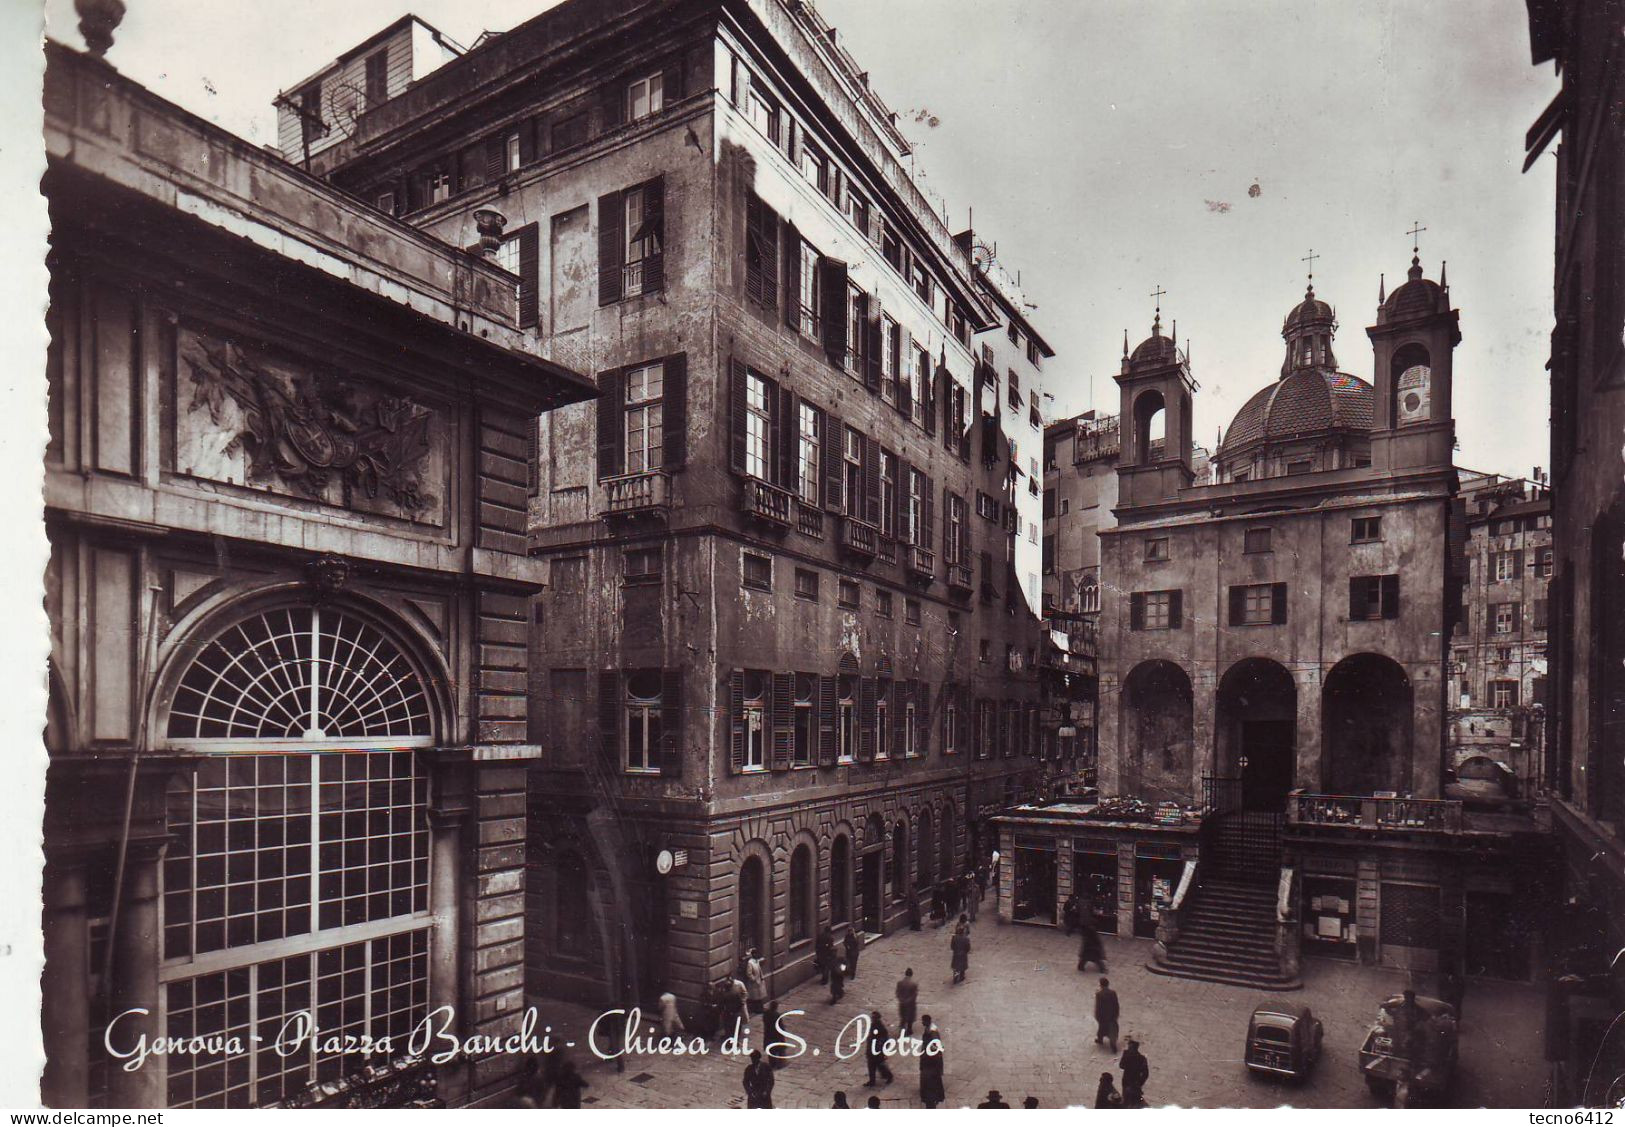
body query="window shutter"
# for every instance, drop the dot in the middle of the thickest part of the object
(671, 723)
(612, 104)
(834, 456)
(1356, 599)
(1176, 609)
(533, 457)
(947, 523)
(870, 460)
(922, 716)
(609, 717)
(529, 277)
(494, 157)
(783, 709)
(1517, 618)
(928, 510)
(1278, 603)
(654, 212)
(933, 395)
(866, 719)
(792, 141)
(762, 261)
(1390, 596)
(1517, 564)
(899, 718)
(736, 719)
(827, 717)
(900, 503)
(902, 385)
(789, 438)
(736, 416)
(832, 303)
(872, 343)
(671, 82)
(792, 275)
(674, 412)
(611, 247)
(611, 428)
(1136, 610)
(528, 130)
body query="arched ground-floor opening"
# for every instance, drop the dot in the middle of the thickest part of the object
(1156, 731)
(1256, 714)
(1367, 726)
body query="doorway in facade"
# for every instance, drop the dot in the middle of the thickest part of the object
(873, 891)
(1257, 714)
(1034, 886)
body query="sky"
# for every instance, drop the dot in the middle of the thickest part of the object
(1112, 147)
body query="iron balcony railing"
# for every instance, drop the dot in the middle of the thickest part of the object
(810, 519)
(636, 493)
(1438, 814)
(767, 502)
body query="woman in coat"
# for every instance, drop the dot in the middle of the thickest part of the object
(1106, 1094)
(755, 984)
(932, 1091)
(960, 947)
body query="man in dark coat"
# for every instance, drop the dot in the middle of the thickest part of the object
(853, 945)
(932, 1091)
(1069, 914)
(914, 911)
(758, 1081)
(993, 1100)
(875, 1052)
(824, 955)
(1106, 1014)
(1136, 1071)
(908, 997)
(959, 949)
(1091, 949)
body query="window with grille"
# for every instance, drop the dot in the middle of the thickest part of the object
(643, 729)
(640, 565)
(1409, 916)
(911, 611)
(302, 673)
(644, 389)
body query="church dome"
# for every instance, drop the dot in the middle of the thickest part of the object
(1310, 311)
(1308, 401)
(1419, 296)
(1155, 349)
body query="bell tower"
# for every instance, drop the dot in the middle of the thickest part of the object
(1413, 343)
(1155, 389)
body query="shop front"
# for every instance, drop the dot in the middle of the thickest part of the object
(1157, 869)
(1328, 915)
(1035, 879)
(1094, 881)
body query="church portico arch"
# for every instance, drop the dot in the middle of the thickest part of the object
(1367, 726)
(1156, 731)
(1255, 723)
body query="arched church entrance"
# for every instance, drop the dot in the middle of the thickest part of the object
(1367, 720)
(1156, 731)
(1257, 709)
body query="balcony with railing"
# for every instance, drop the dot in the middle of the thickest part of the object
(859, 537)
(635, 494)
(1371, 813)
(809, 519)
(959, 578)
(921, 562)
(767, 503)
(887, 551)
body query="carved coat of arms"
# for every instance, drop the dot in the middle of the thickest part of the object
(309, 430)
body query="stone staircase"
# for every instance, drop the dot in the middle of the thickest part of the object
(1227, 934)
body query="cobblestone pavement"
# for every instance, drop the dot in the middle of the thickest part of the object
(1023, 1023)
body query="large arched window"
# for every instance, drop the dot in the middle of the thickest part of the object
(752, 905)
(1150, 424)
(297, 875)
(801, 894)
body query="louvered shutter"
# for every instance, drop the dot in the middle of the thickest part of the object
(609, 718)
(1176, 610)
(528, 138)
(736, 720)
(762, 258)
(1390, 596)
(792, 141)
(1136, 610)
(870, 461)
(1238, 605)
(780, 436)
(529, 276)
(1356, 598)
(866, 719)
(612, 105)
(832, 303)
(674, 412)
(928, 511)
(611, 247)
(947, 523)
(900, 504)
(1278, 603)
(922, 718)
(933, 393)
(494, 157)
(783, 710)
(872, 343)
(611, 428)
(902, 372)
(899, 717)
(792, 275)
(671, 723)
(1517, 618)
(533, 457)
(654, 216)
(828, 716)
(834, 455)
(736, 415)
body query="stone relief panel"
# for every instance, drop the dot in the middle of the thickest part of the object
(245, 417)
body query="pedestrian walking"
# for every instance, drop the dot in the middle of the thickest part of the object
(1107, 1012)
(914, 911)
(875, 1051)
(1091, 949)
(670, 1022)
(738, 1006)
(758, 1081)
(824, 955)
(840, 1102)
(993, 1100)
(567, 1088)
(853, 945)
(1106, 1092)
(1136, 1071)
(755, 982)
(908, 997)
(1069, 914)
(773, 1039)
(837, 979)
(959, 950)
(971, 898)
(981, 880)
(932, 1091)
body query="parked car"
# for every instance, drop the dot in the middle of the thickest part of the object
(1282, 1040)
(1409, 1055)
